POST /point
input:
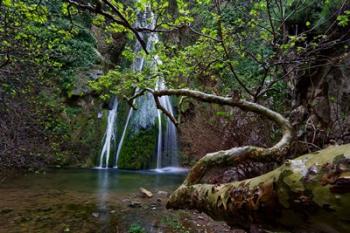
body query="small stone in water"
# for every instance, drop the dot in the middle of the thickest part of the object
(146, 193)
(95, 214)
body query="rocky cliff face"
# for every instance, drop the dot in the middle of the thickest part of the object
(321, 111)
(51, 118)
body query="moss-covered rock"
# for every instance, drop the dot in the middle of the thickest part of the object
(138, 149)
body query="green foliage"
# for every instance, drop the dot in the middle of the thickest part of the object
(136, 228)
(232, 46)
(44, 36)
(117, 82)
(48, 51)
(343, 20)
(184, 66)
(174, 223)
(244, 47)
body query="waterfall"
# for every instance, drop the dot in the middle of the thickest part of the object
(109, 136)
(137, 65)
(167, 149)
(159, 141)
(170, 138)
(147, 114)
(122, 137)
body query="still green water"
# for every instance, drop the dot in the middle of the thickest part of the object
(86, 200)
(95, 180)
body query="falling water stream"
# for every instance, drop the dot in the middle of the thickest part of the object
(109, 137)
(167, 148)
(146, 115)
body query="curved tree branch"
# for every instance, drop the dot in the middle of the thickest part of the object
(130, 100)
(242, 104)
(127, 24)
(286, 193)
(166, 112)
(239, 154)
(121, 21)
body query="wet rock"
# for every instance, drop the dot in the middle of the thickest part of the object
(44, 209)
(42, 218)
(95, 74)
(162, 193)
(155, 204)
(135, 204)
(146, 193)
(5, 210)
(95, 214)
(23, 219)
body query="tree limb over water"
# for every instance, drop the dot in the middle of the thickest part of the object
(307, 188)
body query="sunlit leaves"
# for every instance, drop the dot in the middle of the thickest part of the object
(120, 82)
(225, 40)
(98, 20)
(7, 3)
(67, 10)
(39, 35)
(343, 20)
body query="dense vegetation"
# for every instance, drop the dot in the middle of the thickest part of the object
(45, 58)
(271, 52)
(62, 62)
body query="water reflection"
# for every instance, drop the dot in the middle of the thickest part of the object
(103, 186)
(104, 182)
(80, 199)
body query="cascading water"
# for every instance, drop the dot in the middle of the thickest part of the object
(147, 116)
(167, 149)
(109, 137)
(144, 115)
(122, 137)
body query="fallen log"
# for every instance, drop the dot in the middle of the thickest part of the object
(309, 192)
